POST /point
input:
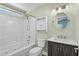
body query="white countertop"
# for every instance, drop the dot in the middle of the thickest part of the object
(65, 41)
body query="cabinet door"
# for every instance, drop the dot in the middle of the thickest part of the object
(58, 49)
(52, 49)
(68, 50)
(49, 48)
(75, 52)
(61, 52)
(55, 49)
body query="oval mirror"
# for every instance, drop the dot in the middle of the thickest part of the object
(61, 20)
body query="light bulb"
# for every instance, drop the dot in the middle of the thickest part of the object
(53, 10)
(59, 8)
(67, 6)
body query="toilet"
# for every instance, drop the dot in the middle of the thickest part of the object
(37, 51)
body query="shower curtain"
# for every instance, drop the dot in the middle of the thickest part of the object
(14, 33)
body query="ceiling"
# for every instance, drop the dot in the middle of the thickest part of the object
(27, 6)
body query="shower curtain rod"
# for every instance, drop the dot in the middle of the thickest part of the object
(16, 9)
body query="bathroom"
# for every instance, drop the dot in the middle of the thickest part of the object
(39, 29)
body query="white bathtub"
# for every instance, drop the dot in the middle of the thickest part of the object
(17, 50)
(23, 51)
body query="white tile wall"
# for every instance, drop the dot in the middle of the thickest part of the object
(32, 31)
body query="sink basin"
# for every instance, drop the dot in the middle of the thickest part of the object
(65, 41)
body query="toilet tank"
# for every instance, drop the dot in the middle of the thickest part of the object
(41, 42)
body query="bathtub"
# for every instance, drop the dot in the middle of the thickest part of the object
(17, 50)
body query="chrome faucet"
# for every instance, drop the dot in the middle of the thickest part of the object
(61, 37)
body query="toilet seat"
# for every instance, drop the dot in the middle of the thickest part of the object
(35, 50)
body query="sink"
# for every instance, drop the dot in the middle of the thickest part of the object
(65, 41)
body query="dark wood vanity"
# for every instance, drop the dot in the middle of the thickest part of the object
(61, 49)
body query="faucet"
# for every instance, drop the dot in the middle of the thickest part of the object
(61, 37)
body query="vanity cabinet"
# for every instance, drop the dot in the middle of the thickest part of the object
(61, 49)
